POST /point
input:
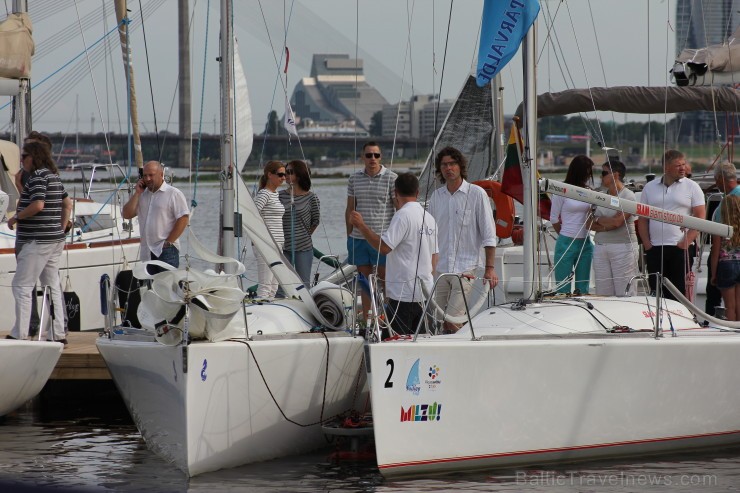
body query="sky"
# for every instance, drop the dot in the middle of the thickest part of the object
(406, 46)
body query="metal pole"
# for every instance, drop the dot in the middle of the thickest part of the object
(184, 154)
(529, 172)
(227, 134)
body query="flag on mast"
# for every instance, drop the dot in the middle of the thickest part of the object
(289, 119)
(504, 25)
(511, 182)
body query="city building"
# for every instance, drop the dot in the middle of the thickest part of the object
(415, 118)
(336, 93)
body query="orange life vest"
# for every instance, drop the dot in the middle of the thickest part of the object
(504, 214)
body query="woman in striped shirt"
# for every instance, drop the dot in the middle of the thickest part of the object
(301, 218)
(272, 211)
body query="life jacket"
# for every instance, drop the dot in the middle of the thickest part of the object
(504, 214)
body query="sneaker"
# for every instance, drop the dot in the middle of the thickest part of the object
(10, 337)
(63, 341)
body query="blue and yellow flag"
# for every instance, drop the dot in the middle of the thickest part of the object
(505, 23)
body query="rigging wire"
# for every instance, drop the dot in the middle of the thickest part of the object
(149, 73)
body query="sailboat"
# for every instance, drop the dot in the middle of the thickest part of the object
(100, 243)
(556, 379)
(212, 381)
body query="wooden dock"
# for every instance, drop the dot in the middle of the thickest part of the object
(80, 359)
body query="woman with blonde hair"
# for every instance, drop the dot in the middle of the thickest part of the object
(269, 206)
(725, 257)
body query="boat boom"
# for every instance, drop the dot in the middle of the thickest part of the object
(635, 208)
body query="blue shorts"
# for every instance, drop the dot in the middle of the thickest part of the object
(359, 252)
(728, 273)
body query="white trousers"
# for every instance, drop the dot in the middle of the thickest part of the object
(268, 283)
(614, 265)
(37, 262)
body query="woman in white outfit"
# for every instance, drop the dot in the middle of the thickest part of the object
(272, 210)
(615, 249)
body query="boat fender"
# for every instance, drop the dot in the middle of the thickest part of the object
(504, 204)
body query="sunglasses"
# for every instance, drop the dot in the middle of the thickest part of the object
(375, 155)
(281, 175)
(24, 156)
(605, 172)
(289, 172)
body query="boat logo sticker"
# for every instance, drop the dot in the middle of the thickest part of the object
(203, 375)
(422, 412)
(432, 380)
(412, 381)
(614, 202)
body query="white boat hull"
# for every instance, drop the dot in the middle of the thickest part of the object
(26, 366)
(205, 406)
(529, 397)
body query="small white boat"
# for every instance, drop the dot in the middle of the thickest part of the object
(26, 366)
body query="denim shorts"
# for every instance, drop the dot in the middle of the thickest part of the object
(359, 252)
(728, 273)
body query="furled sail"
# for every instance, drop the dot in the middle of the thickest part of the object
(715, 64)
(636, 99)
(16, 46)
(287, 276)
(468, 127)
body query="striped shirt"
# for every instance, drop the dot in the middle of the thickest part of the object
(373, 197)
(271, 210)
(46, 226)
(300, 218)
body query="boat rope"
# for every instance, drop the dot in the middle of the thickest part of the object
(272, 396)
(92, 79)
(194, 200)
(149, 74)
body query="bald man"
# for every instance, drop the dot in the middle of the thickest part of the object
(163, 215)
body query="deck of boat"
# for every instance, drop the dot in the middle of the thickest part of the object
(80, 359)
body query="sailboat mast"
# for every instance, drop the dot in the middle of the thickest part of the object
(123, 35)
(22, 101)
(227, 133)
(529, 171)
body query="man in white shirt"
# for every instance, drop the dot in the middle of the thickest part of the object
(465, 225)
(410, 243)
(163, 216)
(669, 249)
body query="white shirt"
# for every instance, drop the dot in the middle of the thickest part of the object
(572, 216)
(464, 226)
(157, 214)
(412, 234)
(681, 196)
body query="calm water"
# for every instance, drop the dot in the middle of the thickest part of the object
(82, 439)
(87, 442)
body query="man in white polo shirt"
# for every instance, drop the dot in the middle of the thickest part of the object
(410, 243)
(668, 247)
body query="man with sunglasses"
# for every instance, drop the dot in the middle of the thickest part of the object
(370, 192)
